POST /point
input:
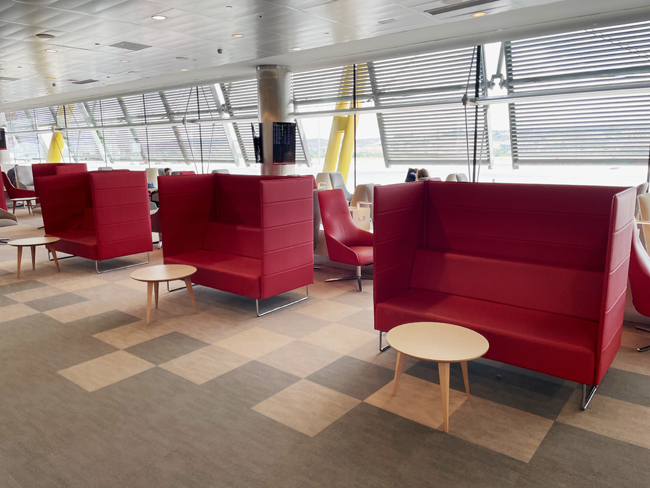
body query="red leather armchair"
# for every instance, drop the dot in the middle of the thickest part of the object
(16, 193)
(346, 243)
(640, 281)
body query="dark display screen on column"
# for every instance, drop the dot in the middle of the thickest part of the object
(284, 143)
(3, 139)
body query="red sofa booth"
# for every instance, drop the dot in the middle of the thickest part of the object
(248, 235)
(97, 215)
(539, 270)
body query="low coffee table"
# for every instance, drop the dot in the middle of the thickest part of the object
(33, 242)
(27, 201)
(153, 275)
(439, 342)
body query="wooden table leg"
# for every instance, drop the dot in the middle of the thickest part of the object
(56, 261)
(14, 210)
(463, 365)
(155, 288)
(33, 257)
(20, 257)
(149, 292)
(188, 284)
(398, 370)
(443, 370)
(30, 210)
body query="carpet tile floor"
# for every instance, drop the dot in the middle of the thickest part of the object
(94, 397)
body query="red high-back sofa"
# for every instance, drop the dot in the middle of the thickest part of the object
(97, 215)
(539, 270)
(249, 235)
(50, 169)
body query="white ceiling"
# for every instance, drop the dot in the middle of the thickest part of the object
(329, 33)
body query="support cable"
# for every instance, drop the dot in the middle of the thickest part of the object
(198, 111)
(187, 134)
(101, 116)
(477, 90)
(465, 100)
(146, 129)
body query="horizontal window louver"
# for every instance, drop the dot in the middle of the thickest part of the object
(610, 129)
(432, 135)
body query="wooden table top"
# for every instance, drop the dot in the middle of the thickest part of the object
(437, 341)
(23, 199)
(34, 241)
(163, 272)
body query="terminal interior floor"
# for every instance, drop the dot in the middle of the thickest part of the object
(93, 397)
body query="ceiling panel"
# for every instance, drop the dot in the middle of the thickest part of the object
(326, 31)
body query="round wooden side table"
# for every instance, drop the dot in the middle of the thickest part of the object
(33, 242)
(441, 343)
(153, 275)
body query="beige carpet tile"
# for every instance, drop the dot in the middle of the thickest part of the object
(306, 407)
(16, 311)
(132, 334)
(205, 364)
(317, 290)
(255, 342)
(633, 338)
(82, 310)
(632, 360)
(503, 429)
(417, 400)
(80, 283)
(290, 323)
(209, 328)
(328, 310)
(106, 370)
(300, 358)
(369, 352)
(138, 285)
(610, 417)
(35, 294)
(339, 338)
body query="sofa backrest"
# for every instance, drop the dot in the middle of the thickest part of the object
(65, 169)
(238, 199)
(565, 226)
(567, 291)
(239, 239)
(186, 205)
(64, 199)
(49, 169)
(121, 207)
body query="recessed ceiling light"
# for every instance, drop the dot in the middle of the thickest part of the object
(184, 69)
(158, 17)
(325, 32)
(296, 49)
(238, 35)
(51, 51)
(479, 14)
(124, 61)
(51, 78)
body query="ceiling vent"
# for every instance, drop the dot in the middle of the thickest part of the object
(386, 21)
(451, 7)
(6, 78)
(84, 82)
(130, 46)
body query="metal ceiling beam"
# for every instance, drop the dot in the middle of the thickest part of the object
(179, 140)
(220, 100)
(86, 113)
(131, 127)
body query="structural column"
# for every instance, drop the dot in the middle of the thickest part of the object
(275, 95)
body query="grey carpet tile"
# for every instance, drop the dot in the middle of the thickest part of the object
(363, 320)
(4, 272)
(574, 458)
(4, 301)
(165, 348)
(627, 386)
(511, 387)
(20, 286)
(102, 322)
(251, 383)
(57, 301)
(353, 377)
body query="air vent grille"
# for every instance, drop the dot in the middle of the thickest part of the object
(84, 82)
(459, 6)
(130, 46)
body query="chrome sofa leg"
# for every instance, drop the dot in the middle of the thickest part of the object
(382, 348)
(586, 397)
(646, 348)
(257, 304)
(121, 267)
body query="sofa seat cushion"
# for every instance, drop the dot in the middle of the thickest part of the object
(79, 242)
(364, 253)
(227, 272)
(558, 345)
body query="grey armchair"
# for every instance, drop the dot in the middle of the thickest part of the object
(338, 183)
(457, 177)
